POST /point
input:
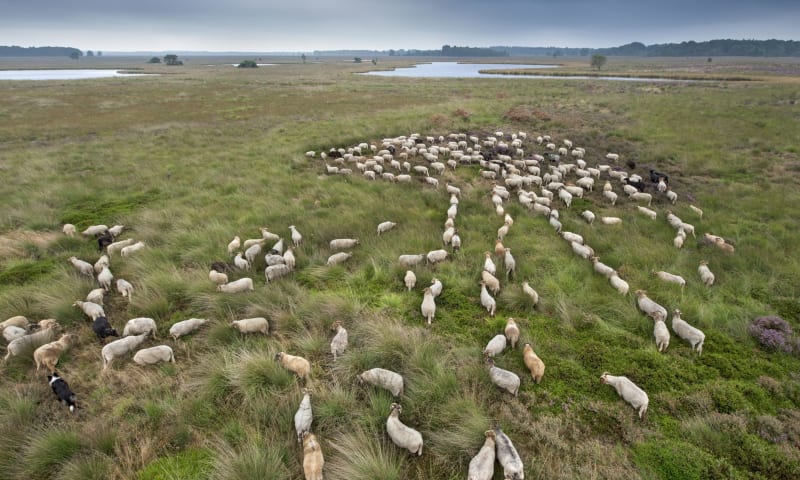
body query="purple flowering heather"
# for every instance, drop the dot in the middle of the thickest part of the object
(773, 333)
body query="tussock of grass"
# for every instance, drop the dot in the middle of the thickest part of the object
(257, 458)
(47, 452)
(363, 456)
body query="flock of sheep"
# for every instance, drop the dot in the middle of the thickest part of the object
(540, 182)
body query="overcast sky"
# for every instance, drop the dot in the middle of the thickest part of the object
(306, 25)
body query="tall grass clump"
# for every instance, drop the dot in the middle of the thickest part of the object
(259, 458)
(47, 452)
(364, 456)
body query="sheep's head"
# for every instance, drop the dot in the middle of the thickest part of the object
(490, 434)
(703, 262)
(336, 325)
(77, 303)
(604, 378)
(396, 407)
(641, 293)
(677, 312)
(279, 355)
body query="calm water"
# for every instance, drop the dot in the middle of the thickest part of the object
(62, 74)
(472, 70)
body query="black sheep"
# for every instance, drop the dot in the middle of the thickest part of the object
(103, 328)
(655, 176)
(104, 240)
(639, 185)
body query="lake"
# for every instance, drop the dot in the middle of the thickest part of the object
(76, 74)
(472, 70)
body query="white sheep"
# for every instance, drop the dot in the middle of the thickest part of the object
(428, 306)
(402, 435)
(251, 325)
(343, 243)
(140, 325)
(583, 251)
(49, 353)
(28, 343)
(453, 190)
(697, 210)
(116, 230)
(294, 363)
(647, 305)
(533, 362)
(505, 379)
(338, 258)
(410, 260)
(455, 242)
(17, 321)
(509, 262)
(96, 296)
(83, 267)
(487, 301)
(611, 196)
(688, 228)
(90, 309)
(304, 416)
(386, 379)
(68, 229)
(218, 278)
(481, 467)
(436, 256)
(670, 278)
(100, 263)
(495, 346)
(252, 241)
(253, 251)
(266, 235)
(511, 332)
(628, 391)
(679, 239)
(687, 332)
(237, 286)
(120, 347)
(672, 196)
(240, 262)
(488, 263)
(651, 214)
(384, 227)
(610, 220)
(529, 291)
(508, 457)
(297, 238)
(153, 355)
(13, 332)
(104, 278)
(130, 249)
(313, 460)
(673, 220)
(660, 332)
(618, 283)
(492, 283)
(410, 280)
(118, 246)
(339, 341)
(273, 272)
(705, 274)
(601, 267)
(186, 327)
(565, 196)
(125, 288)
(94, 230)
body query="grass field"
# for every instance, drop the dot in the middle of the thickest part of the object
(191, 157)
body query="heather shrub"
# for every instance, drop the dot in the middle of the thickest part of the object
(773, 333)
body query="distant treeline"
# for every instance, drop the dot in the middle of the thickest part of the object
(15, 51)
(445, 51)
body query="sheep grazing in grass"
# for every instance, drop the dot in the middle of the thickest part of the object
(96, 295)
(610, 196)
(338, 258)
(253, 251)
(410, 260)
(610, 220)
(447, 236)
(508, 457)
(217, 278)
(428, 306)
(512, 332)
(722, 245)
(697, 210)
(125, 289)
(487, 301)
(251, 325)
(499, 249)
(629, 392)
(104, 278)
(297, 238)
(492, 283)
(670, 278)
(529, 291)
(660, 332)
(138, 326)
(49, 353)
(651, 214)
(234, 245)
(481, 467)
(410, 280)
(618, 283)
(533, 362)
(68, 229)
(90, 309)
(647, 305)
(313, 460)
(186, 327)
(384, 227)
(435, 256)
(583, 251)
(304, 417)
(343, 243)
(266, 235)
(274, 272)
(688, 228)
(153, 355)
(94, 230)
(455, 242)
(687, 332)
(131, 249)
(27, 343)
(237, 286)
(436, 287)
(601, 267)
(507, 380)
(679, 239)
(673, 220)
(671, 196)
(402, 435)
(571, 237)
(83, 267)
(100, 263)
(453, 190)
(386, 379)
(495, 346)
(339, 342)
(13, 332)
(294, 363)
(509, 262)
(103, 329)
(705, 274)
(118, 246)
(120, 347)
(16, 321)
(488, 263)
